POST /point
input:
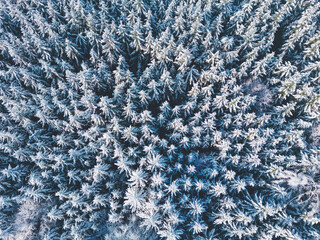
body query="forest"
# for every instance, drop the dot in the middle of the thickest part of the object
(159, 120)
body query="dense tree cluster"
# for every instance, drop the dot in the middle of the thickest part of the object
(192, 119)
